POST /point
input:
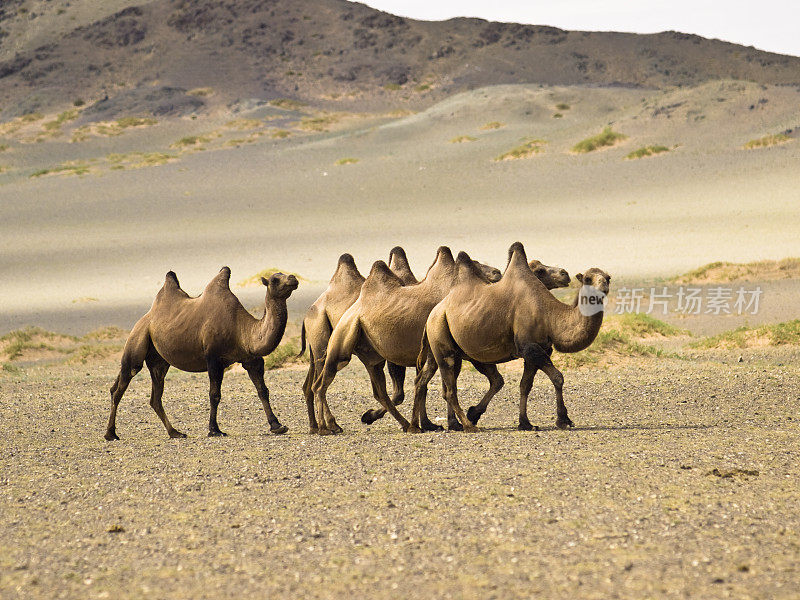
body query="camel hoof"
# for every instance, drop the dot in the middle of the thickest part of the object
(564, 423)
(413, 429)
(111, 436)
(525, 425)
(176, 435)
(431, 426)
(313, 430)
(470, 429)
(324, 431)
(473, 414)
(368, 418)
(455, 426)
(279, 429)
(334, 427)
(216, 433)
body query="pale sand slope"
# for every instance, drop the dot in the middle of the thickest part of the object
(284, 203)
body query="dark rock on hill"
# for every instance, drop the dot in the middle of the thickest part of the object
(330, 51)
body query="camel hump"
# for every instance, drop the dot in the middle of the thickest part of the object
(221, 281)
(397, 254)
(517, 258)
(171, 280)
(346, 269)
(380, 278)
(444, 253)
(467, 269)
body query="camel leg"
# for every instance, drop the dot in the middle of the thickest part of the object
(341, 346)
(158, 368)
(215, 373)
(136, 349)
(378, 379)
(255, 369)
(117, 390)
(453, 424)
(419, 417)
(398, 375)
(308, 393)
(449, 367)
(495, 385)
(525, 385)
(540, 359)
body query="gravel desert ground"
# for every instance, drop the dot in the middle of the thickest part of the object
(679, 481)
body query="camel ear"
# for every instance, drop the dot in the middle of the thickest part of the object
(264, 281)
(579, 277)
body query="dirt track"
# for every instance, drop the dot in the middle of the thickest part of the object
(627, 505)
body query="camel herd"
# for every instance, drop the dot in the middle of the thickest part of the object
(461, 310)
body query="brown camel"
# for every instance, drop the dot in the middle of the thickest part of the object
(324, 314)
(207, 333)
(551, 278)
(515, 318)
(384, 324)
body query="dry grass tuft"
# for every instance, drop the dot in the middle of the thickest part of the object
(526, 150)
(767, 141)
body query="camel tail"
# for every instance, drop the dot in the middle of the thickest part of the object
(424, 351)
(302, 340)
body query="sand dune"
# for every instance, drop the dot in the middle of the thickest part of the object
(111, 235)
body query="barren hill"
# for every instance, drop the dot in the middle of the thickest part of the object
(145, 56)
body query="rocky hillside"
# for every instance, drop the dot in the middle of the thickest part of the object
(174, 57)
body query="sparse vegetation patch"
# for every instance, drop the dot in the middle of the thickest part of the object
(68, 168)
(201, 92)
(646, 151)
(194, 141)
(606, 138)
(320, 123)
(138, 160)
(244, 124)
(493, 125)
(526, 150)
(562, 106)
(463, 138)
(726, 272)
(111, 128)
(347, 161)
(279, 134)
(768, 140)
(779, 334)
(287, 104)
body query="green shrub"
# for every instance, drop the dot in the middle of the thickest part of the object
(605, 138)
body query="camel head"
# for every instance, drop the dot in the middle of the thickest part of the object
(551, 277)
(280, 285)
(597, 278)
(490, 273)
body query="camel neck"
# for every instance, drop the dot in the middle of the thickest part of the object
(570, 329)
(268, 331)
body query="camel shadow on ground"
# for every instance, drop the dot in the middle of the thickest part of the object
(645, 427)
